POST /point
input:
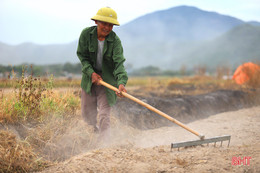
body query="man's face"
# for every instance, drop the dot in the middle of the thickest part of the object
(103, 28)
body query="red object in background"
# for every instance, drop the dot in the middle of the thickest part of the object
(244, 72)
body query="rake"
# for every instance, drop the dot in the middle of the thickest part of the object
(201, 140)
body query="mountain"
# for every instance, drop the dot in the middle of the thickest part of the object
(167, 39)
(38, 54)
(255, 23)
(164, 36)
(239, 45)
(182, 23)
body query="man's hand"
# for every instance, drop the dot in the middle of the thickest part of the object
(121, 88)
(96, 78)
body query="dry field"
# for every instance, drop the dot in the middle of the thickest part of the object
(149, 151)
(41, 130)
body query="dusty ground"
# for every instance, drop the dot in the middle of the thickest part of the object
(133, 150)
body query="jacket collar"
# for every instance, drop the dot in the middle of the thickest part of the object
(94, 43)
(110, 36)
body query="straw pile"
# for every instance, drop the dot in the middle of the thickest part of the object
(17, 156)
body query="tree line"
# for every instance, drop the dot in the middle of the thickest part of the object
(41, 70)
(59, 70)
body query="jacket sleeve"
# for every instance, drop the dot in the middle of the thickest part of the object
(119, 73)
(83, 54)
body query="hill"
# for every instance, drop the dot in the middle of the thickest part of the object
(160, 37)
(167, 39)
(239, 45)
(37, 54)
(182, 23)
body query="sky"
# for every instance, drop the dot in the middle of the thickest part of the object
(61, 21)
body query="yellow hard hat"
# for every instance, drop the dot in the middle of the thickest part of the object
(106, 14)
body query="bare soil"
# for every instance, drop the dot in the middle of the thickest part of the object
(136, 150)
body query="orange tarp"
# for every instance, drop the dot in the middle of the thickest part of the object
(245, 72)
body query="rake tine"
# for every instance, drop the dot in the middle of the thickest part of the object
(200, 142)
(228, 142)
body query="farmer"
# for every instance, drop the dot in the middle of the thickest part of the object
(101, 54)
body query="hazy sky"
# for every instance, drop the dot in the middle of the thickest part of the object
(61, 21)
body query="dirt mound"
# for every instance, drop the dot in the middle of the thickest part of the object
(185, 108)
(150, 150)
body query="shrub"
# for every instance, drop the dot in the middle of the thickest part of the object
(29, 93)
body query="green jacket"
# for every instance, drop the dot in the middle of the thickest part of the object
(113, 71)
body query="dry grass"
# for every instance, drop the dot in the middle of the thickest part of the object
(181, 162)
(17, 156)
(51, 103)
(6, 108)
(174, 86)
(44, 115)
(61, 138)
(61, 103)
(57, 82)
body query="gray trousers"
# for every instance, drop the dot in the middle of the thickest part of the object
(96, 104)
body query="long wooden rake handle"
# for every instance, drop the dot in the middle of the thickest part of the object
(152, 109)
